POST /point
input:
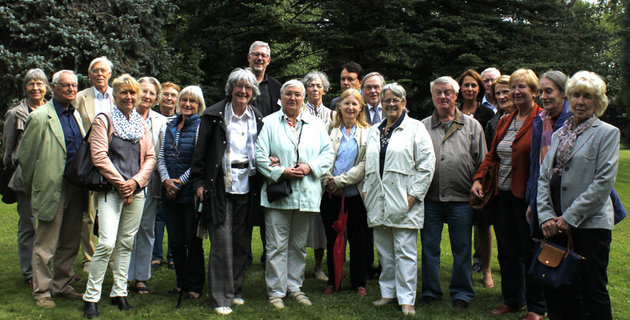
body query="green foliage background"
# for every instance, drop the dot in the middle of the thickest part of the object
(409, 41)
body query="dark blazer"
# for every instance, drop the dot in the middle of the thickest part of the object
(520, 152)
(207, 170)
(274, 96)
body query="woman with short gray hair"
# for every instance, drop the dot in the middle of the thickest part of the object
(35, 86)
(399, 165)
(317, 85)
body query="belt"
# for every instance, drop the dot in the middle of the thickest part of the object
(240, 165)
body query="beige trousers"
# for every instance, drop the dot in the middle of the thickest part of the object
(57, 243)
(88, 239)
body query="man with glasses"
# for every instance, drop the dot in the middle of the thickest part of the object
(371, 87)
(259, 57)
(52, 136)
(488, 76)
(90, 102)
(351, 74)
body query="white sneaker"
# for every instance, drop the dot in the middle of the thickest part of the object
(223, 310)
(320, 275)
(238, 301)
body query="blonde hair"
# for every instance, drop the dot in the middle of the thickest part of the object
(528, 76)
(589, 82)
(125, 80)
(360, 118)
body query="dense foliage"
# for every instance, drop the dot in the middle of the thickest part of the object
(409, 41)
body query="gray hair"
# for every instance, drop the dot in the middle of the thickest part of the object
(314, 75)
(237, 75)
(60, 72)
(108, 63)
(157, 85)
(446, 80)
(36, 74)
(293, 82)
(557, 77)
(394, 88)
(196, 93)
(373, 74)
(259, 43)
(491, 69)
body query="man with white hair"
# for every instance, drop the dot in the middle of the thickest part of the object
(90, 102)
(52, 137)
(488, 76)
(460, 146)
(371, 87)
(259, 57)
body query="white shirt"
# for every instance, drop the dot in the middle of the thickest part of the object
(487, 103)
(238, 130)
(102, 102)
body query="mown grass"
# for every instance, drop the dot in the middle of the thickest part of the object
(16, 301)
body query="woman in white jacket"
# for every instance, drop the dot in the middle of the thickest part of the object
(399, 167)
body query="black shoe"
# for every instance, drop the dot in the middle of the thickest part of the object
(90, 310)
(121, 302)
(171, 265)
(460, 304)
(427, 300)
(476, 267)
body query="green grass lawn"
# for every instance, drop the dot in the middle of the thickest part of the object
(16, 301)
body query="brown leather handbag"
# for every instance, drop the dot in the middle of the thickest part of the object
(488, 184)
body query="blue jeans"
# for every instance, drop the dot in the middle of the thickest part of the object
(458, 216)
(160, 224)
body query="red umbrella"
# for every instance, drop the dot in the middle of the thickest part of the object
(339, 250)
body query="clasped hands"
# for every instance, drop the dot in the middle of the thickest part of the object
(298, 171)
(126, 190)
(554, 226)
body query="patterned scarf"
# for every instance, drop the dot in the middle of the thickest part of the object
(568, 135)
(131, 129)
(547, 130)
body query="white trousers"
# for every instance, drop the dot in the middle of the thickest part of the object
(398, 255)
(286, 232)
(117, 227)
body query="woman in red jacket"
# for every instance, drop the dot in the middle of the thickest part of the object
(509, 158)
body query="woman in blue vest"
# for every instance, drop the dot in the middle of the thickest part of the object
(174, 162)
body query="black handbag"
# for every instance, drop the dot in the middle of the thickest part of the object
(81, 171)
(8, 195)
(553, 265)
(282, 188)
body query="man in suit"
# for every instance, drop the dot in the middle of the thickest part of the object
(52, 136)
(259, 57)
(371, 87)
(90, 102)
(351, 74)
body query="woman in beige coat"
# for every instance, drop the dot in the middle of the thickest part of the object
(348, 133)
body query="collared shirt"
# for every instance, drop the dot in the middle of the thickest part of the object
(485, 102)
(238, 133)
(373, 110)
(346, 156)
(385, 140)
(459, 148)
(71, 131)
(294, 126)
(102, 102)
(320, 111)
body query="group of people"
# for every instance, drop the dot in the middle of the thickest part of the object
(273, 155)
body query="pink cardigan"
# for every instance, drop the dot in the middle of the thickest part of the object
(99, 147)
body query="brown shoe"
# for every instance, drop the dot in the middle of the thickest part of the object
(29, 282)
(329, 291)
(72, 294)
(503, 310)
(46, 303)
(361, 291)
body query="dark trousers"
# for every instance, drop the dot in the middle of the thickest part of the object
(515, 252)
(182, 227)
(358, 236)
(158, 245)
(587, 297)
(230, 247)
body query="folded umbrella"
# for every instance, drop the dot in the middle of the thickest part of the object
(339, 250)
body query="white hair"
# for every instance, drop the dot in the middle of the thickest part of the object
(196, 93)
(447, 80)
(108, 63)
(260, 44)
(491, 70)
(60, 72)
(293, 82)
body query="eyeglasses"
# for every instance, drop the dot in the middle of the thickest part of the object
(32, 84)
(99, 71)
(290, 94)
(186, 100)
(243, 86)
(171, 95)
(259, 54)
(447, 93)
(66, 85)
(392, 101)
